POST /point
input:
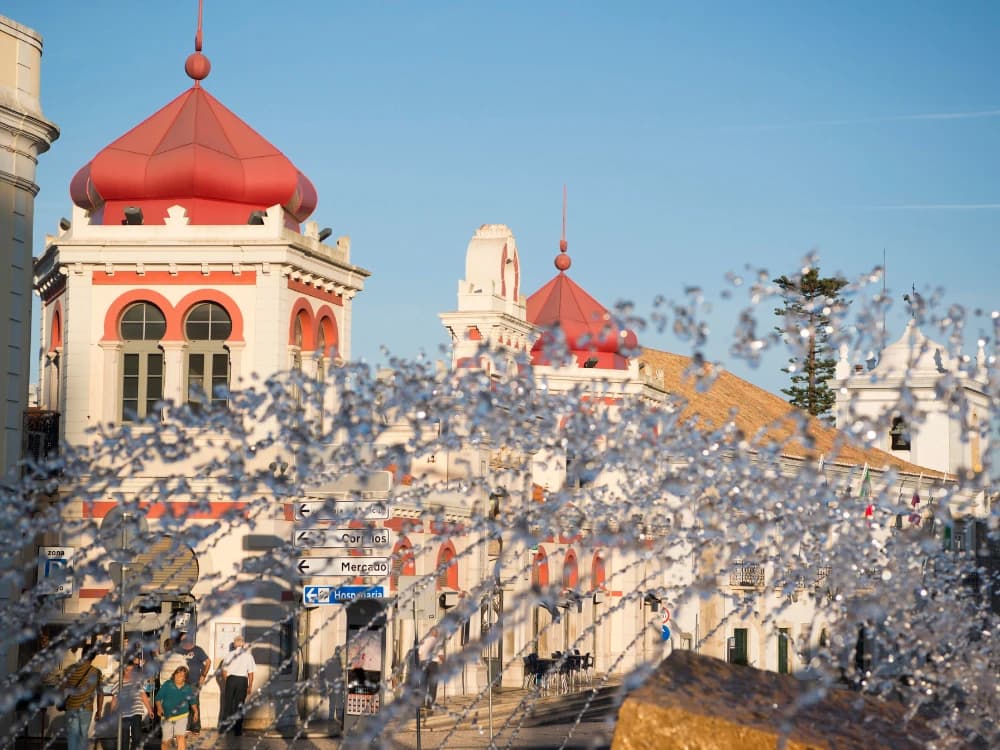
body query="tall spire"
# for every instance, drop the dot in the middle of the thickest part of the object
(562, 260)
(197, 65)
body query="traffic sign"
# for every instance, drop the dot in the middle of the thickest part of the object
(340, 594)
(342, 566)
(664, 632)
(666, 615)
(320, 537)
(54, 569)
(340, 510)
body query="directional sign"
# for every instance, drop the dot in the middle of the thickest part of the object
(339, 510)
(342, 566)
(319, 537)
(340, 594)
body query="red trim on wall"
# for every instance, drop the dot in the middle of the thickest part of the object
(598, 572)
(55, 335)
(474, 334)
(93, 593)
(326, 320)
(301, 307)
(174, 314)
(310, 291)
(617, 593)
(447, 556)
(115, 310)
(181, 278)
(540, 568)
(220, 298)
(192, 511)
(571, 571)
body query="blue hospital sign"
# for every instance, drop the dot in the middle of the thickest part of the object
(340, 594)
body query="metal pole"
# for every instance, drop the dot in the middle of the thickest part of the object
(416, 666)
(489, 660)
(121, 630)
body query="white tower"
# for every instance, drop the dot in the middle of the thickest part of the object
(943, 434)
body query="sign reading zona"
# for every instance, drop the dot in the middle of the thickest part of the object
(342, 566)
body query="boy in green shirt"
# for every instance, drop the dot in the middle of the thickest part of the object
(174, 701)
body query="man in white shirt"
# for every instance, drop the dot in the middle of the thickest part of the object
(237, 675)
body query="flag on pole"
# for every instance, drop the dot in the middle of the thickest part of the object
(915, 503)
(866, 492)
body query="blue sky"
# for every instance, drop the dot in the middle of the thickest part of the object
(695, 139)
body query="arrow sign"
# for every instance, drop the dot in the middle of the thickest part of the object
(340, 594)
(342, 566)
(314, 538)
(341, 510)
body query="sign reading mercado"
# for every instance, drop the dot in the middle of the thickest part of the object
(342, 566)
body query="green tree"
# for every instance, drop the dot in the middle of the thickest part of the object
(809, 301)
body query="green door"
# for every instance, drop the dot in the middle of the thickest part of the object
(783, 651)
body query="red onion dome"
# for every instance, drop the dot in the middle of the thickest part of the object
(196, 153)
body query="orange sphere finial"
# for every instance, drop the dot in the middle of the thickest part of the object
(197, 66)
(562, 260)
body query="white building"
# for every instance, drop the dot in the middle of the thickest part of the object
(190, 265)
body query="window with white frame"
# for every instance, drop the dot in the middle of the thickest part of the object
(207, 327)
(141, 328)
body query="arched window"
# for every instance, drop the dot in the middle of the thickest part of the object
(571, 572)
(207, 327)
(447, 568)
(899, 435)
(403, 562)
(141, 328)
(298, 337)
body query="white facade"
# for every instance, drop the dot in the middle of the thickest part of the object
(949, 435)
(24, 134)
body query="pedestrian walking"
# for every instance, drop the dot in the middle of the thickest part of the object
(83, 691)
(237, 675)
(199, 665)
(175, 701)
(134, 705)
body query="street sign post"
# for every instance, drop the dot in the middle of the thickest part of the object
(315, 595)
(318, 537)
(342, 566)
(54, 569)
(340, 510)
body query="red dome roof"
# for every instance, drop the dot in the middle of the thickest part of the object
(196, 153)
(590, 332)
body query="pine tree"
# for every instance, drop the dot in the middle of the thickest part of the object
(809, 301)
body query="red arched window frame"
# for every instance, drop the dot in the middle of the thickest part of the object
(302, 312)
(540, 569)
(327, 323)
(447, 567)
(403, 562)
(598, 572)
(227, 303)
(571, 571)
(56, 331)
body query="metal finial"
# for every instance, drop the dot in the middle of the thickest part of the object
(197, 34)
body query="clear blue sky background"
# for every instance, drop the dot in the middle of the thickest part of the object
(695, 138)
